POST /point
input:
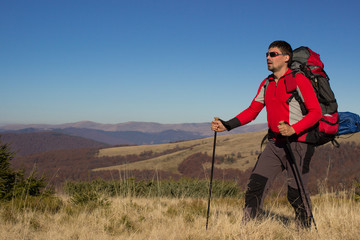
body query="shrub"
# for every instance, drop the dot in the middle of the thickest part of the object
(90, 194)
(13, 184)
(186, 187)
(7, 175)
(89, 198)
(357, 191)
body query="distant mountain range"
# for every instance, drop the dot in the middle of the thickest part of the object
(127, 126)
(129, 133)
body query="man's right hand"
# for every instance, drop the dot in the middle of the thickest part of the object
(217, 126)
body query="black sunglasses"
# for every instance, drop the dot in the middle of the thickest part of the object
(273, 54)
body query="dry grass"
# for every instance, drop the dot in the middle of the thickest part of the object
(337, 217)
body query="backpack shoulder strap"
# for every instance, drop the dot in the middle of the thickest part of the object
(291, 87)
(290, 81)
(266, 83)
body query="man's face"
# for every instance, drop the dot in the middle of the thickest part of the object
(277, 62)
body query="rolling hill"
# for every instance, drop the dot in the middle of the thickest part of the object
(62, 157)
(243, 149)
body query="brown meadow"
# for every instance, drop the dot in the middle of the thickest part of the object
(336, 214)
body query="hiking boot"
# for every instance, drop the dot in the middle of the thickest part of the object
(302, 220)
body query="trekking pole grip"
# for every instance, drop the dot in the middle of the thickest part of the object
(216, 119)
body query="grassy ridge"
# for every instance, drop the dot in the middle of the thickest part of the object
(243, 147)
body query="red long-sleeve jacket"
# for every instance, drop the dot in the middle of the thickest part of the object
(274, 97)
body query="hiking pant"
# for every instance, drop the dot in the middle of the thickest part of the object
(272, 161)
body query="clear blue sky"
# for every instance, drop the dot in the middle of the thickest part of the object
(161, 61)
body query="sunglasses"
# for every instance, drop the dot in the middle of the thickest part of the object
(273, 54)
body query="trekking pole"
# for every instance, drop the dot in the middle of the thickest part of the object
(211, 177)
(298, 180)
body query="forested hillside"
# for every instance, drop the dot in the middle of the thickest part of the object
(37, 142)
(331, 167)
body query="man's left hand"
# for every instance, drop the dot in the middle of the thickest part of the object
(285, 129)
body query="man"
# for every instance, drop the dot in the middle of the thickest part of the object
(285, 121)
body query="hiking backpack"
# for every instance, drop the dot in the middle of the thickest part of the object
(308, 63)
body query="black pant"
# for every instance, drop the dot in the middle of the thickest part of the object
(272, 161)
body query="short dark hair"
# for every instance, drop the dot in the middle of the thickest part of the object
(285, 49)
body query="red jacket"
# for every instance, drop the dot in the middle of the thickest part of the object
(275, 100)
